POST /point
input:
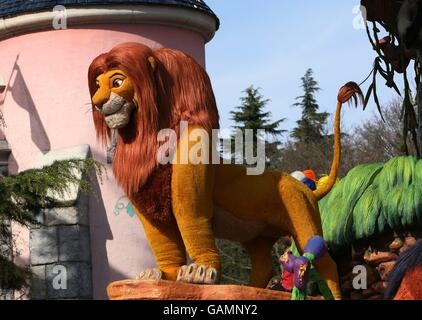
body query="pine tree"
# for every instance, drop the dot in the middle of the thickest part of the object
(310, 127)
(24, 194)
(251, 115)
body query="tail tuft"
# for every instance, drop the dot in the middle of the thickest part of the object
(349, 91)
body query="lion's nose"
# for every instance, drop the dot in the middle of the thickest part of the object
(99, 102)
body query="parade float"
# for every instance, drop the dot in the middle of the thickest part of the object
(370, 219)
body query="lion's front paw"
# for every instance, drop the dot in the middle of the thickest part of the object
(150, 274)
(197, 274)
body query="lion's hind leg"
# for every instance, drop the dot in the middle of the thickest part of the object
(259, 250)
(302, 220)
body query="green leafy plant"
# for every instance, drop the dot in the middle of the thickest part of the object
(372, 199)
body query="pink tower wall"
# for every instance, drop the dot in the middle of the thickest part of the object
(46, 106)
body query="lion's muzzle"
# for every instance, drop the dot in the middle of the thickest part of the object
(117, 111)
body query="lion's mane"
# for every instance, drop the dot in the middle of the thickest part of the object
(178, 89)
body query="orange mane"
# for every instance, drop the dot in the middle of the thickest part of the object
(178, 90)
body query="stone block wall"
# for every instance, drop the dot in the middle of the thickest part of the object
(5, 248)
(4, 157)
(60, 251)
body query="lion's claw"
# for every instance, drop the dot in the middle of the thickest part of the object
(197, 274)
(150, 274)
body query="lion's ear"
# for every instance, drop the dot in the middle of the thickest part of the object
(153, 63)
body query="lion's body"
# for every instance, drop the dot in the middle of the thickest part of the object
(222, 201)
(255, 198)
(207, 200)
(252, 204)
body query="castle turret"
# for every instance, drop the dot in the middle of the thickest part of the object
(46, 48)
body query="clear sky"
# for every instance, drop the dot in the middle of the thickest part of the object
(271, 44)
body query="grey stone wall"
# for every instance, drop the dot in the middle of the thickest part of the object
(60, 251)
(5, 248)
(61, 248)
(4, 157)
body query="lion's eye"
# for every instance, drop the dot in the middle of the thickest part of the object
(117, 83)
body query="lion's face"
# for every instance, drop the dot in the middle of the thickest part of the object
(114, 98)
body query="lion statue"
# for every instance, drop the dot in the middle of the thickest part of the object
(183, 207)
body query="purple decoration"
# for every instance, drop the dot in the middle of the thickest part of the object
(302, 266)
(317, 247)
(287, 260)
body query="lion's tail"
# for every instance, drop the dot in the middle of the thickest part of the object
(348, 92)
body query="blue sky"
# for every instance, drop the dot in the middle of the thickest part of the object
(271, 44)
